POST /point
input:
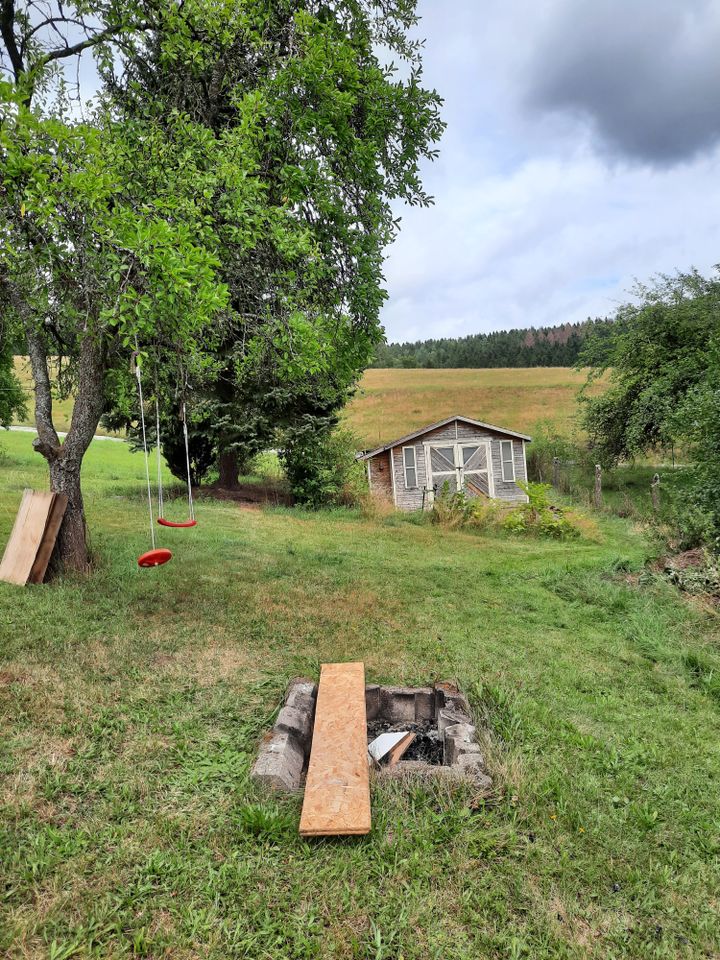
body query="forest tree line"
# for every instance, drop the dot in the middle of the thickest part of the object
(558, 346)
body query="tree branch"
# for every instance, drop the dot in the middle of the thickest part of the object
(48, 442)
(7, 30)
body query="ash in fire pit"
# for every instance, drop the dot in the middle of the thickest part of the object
(427, 745)
(439, 716)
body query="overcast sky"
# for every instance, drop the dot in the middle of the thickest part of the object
(582, 151)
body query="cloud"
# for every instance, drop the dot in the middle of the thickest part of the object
(645, 75)
(535, 222)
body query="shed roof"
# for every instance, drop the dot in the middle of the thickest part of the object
(441, 423)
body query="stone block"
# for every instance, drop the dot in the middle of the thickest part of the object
(372, 701)
(397, 704)
(472, 766)
(459, 739)
(450, 696)
(300, 692)
(280, 762)
(425, 703)
(449, 718)
(297, 721)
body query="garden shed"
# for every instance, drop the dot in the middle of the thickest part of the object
(482, 459)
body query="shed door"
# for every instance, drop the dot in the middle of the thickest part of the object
(444, 468)
(475, 472)
(462, 466)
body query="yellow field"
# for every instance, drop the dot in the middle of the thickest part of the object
(391, 403)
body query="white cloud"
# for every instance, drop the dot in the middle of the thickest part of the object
(532, 224)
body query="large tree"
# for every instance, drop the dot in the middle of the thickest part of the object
(342, 137)
(656, 351)
(227, 200)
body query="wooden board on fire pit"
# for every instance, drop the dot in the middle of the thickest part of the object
(337, 790)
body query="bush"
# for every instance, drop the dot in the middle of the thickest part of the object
(546, 445)
(321, 466)
(539, 516)
(455, 509)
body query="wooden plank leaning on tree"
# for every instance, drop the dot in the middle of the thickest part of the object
(47, 544)
(26, 537)
(337, 791)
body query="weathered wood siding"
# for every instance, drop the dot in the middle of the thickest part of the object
(380, 477)
(412, 498)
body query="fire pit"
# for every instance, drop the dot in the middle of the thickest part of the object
(444, 744)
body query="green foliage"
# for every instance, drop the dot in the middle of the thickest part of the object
(455, 509)
(333, 137)
(657, 351)
(321, 466)
(547, 444)
(531, 347)
(663, 353)
(540, 516)
(13, 403)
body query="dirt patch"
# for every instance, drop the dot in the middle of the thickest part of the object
(7, 677)
(208, 665)
(248, 494)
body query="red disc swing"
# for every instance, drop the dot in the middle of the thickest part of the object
(191, 521)
(158, 555)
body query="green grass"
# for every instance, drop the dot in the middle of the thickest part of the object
(132, 703)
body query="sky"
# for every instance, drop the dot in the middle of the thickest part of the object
(582, 153)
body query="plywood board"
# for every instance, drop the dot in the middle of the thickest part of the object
(26, 536)
(337, 790)
(47, 544)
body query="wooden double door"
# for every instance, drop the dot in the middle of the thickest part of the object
(465, 465)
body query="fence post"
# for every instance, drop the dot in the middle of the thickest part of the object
(556, 472)
(655, 493)
(597, 493)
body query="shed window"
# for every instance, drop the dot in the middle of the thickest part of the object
(410, 467)
(508, 461)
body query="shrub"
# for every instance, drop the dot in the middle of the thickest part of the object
(539, 516)
(456, 509)
(546, 445)
(321, 467)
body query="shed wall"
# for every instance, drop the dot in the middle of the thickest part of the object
(380, 476)
(412, 499)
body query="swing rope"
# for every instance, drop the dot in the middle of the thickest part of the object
(161, 499)
(138, 374)
(191, 506)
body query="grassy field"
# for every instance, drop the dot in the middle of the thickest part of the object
(131, 704)
(390, 403)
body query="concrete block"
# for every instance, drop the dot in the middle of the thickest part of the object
(450, 696)
(425, 703)
(472, 766)
(296, 721)
(459, 739)
(449, 718)
(280, 762)
(300, 692)
(372, 701)
(397, 704)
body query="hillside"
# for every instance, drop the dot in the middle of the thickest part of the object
(390, 403)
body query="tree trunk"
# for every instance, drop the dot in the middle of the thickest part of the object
(71, 547)
(229, 468)
(65, 460)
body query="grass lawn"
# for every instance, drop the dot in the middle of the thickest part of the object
(131, 704)
(391, 403)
